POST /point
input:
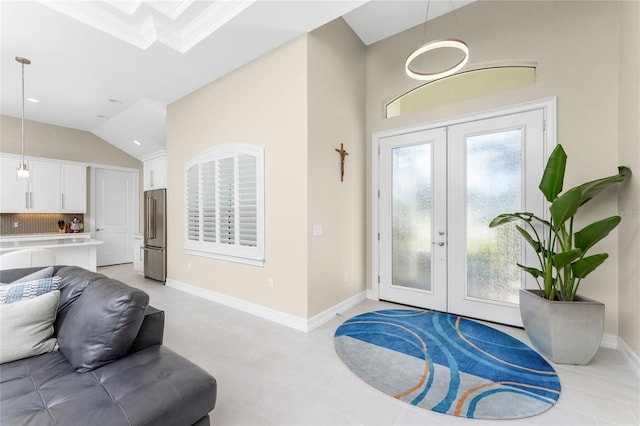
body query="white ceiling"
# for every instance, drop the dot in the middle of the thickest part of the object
(111, 67)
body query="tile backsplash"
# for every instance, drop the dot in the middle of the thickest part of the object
(34, 223)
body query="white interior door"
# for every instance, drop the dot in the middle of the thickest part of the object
(439, 190)
(413, 219)
(115, 198)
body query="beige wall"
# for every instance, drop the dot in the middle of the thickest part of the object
(62, 143)
(575, 46)
(299, 103)
(336, 91)
(262, 103)
(629, 154)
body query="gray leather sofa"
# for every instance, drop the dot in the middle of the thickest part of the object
(111, 367)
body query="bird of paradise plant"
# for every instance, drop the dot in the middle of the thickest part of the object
(561, 252)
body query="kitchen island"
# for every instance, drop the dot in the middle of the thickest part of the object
(77, 249)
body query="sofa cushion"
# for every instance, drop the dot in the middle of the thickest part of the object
(26, 327)
(102, 324)
(42, 273)
(154, 386)
(74, 281)
(17, 291)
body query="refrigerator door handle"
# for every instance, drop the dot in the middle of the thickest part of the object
(147, 221)
(153, 219)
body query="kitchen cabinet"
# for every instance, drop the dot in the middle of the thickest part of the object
(42, 191)
(14, 192)
(38, 193)
(44, 186)
(73, 195)
(155, 173)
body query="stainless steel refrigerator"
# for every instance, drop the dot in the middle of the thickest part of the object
(155, 234)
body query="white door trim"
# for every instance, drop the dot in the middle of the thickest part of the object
(548, 105)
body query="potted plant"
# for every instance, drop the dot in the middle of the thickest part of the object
(566, 327)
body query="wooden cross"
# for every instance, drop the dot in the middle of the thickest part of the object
(343, 154)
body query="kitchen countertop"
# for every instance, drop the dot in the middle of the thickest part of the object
(52, 236)
(60, 242)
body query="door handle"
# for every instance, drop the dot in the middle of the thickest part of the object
(440, 243)
(99, 229)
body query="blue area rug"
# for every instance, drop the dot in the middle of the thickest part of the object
(447, 364)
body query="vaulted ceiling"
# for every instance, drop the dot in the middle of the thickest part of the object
(111, 67)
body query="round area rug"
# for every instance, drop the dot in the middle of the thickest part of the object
(447, 364)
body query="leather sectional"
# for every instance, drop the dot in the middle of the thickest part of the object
(111, 367)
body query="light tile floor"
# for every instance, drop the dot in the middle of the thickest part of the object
(269, 374)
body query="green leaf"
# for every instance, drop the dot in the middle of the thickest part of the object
(535, 244)
(586, 265)
(593, 188)
(588, 236)
(565, 206)
(508, 218)
(553, 176)
(562, 259)
(536, 273)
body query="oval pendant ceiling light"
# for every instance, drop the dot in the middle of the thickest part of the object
(434, 45)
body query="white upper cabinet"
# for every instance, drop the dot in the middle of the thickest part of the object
(44, 191)
(52, 187)
(73, 196)
(14, 192)
(155, 173)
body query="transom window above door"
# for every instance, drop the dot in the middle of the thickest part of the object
(462, 86)
(224, 204)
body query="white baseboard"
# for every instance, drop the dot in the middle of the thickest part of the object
(279, 317)
(327, 315)
(632, 358)
(276, 316)
(609, 341)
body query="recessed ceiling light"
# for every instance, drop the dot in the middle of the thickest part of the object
(137, 142)
(34, 100)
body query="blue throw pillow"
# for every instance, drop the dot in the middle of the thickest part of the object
(15, 292)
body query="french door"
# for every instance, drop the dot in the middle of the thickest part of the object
(439, 189)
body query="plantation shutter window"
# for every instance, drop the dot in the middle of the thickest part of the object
(193, 207)
(224, 204)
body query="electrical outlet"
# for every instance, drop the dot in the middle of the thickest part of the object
(16, 224)
(270, 282)
(345, 277)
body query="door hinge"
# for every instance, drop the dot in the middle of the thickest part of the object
(544, 125)
(378, 236)
(378, 279)
(378, 193)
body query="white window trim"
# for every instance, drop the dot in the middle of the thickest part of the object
(215, 250)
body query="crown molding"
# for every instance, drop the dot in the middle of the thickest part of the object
(180, 25)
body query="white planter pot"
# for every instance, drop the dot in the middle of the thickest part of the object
(567, 332)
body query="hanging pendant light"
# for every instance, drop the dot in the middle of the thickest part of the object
(23, 170)
(434, 45)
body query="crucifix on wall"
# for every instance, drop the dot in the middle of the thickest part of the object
(343, 154)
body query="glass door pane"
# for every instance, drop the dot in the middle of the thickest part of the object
(411, 216)
(494, 186)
